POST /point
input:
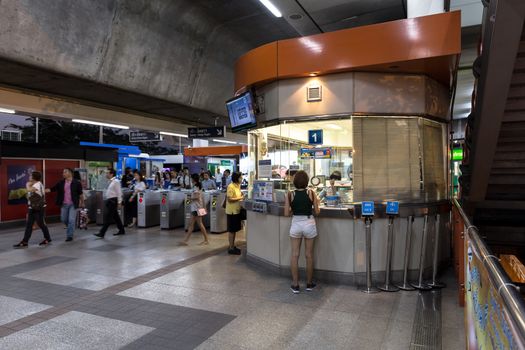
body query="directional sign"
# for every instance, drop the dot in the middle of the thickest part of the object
(392, 208)
(367, 208)
(142, 136)
(315, 137)
(203, 133)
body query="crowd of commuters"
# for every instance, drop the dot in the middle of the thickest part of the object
(302, 204)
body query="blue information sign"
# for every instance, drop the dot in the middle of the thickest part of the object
(315, 137)
(392, 208)
(367, 208)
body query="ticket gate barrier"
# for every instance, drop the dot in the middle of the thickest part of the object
(217, 213)
(187, 210)
(172, 209)
(90, 203)
(148, 209)
(101, 207)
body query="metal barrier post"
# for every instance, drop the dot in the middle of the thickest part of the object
(434, 283)
(406, 285)
(368, 235)
(388, 286)
(420, 285)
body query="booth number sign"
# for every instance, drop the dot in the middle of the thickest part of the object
(315, 137)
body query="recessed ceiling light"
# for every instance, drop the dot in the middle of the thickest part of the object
(313, 74)
(173, 134)
(224, 141)
(273, 9)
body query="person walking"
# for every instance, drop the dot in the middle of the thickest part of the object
(113, 202)
(131, 206)
(234, 197)
(218, 178)
(69, 198)
(35, 211)
(197, 212)
(302, 203)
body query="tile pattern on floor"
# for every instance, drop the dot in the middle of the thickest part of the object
(192, 297)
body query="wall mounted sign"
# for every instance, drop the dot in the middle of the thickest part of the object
(265, 168)
(392, 208)
(367, 208)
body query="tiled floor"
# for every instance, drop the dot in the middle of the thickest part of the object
(142, 291)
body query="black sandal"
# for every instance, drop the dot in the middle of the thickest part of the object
(22, 244)
(44, 242)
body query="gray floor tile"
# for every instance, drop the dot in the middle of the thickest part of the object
(14, 309)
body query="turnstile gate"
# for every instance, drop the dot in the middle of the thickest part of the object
(148, 208)
(217, 213)
(172, 209)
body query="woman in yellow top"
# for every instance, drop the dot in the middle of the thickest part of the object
(233, 210)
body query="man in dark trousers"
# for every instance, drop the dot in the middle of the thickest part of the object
(69, 199)
(113, 202)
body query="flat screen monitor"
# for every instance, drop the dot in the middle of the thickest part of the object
(241, 112)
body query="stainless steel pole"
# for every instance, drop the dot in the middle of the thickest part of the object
(37, 132)
(420, 285)
(388, 286)
(406, 285)
(434, 283)
(101, 134)
(368, 236)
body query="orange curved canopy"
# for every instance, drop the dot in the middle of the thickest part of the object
(427, 45)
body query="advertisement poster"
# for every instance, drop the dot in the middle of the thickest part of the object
(265, 168)
(17, 176)
(315, 153)
(488, 324)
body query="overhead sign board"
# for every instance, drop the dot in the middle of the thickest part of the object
(203, 133)
(367, 208)
(143, 136)
(392, 208)
(315, 137)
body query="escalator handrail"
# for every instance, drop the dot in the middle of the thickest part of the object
(508, 291)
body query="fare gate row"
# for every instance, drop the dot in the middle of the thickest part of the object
(167, 209)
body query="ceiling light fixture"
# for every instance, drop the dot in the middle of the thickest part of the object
(90, 122)
(313, 74)
(273, 9)
(8, 111)
(172, 134)
(224, 141)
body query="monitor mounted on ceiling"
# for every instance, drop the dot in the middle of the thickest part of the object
(241, 110)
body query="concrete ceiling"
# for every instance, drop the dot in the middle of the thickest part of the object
(167, 59)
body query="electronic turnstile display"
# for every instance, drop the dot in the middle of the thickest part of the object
(217, 213)
(187, 210)
(100, 208)
(148, 209)
(172, 209)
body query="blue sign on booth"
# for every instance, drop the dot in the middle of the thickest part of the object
(392, 208)
(315, 137)
(367, 208)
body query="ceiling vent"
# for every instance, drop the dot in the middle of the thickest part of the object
(295, 16)
(314, 93)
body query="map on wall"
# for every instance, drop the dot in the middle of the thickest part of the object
(17, 176)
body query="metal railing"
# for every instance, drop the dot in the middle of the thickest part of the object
(512, 301)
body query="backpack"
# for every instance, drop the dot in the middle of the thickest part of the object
(37, 202)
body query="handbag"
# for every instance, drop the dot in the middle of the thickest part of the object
(36, 201)
(242, 214)
(202, 212)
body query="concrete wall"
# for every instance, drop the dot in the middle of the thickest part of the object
(169, 49)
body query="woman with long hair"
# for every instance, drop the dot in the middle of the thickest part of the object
(197, 212)
(302, 204)
(35, 210)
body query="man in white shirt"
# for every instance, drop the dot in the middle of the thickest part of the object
(113, 202)
(185, 179)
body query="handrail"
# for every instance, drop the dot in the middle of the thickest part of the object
(509, 293)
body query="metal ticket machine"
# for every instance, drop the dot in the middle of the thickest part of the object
(172, 209)
(148, 209)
